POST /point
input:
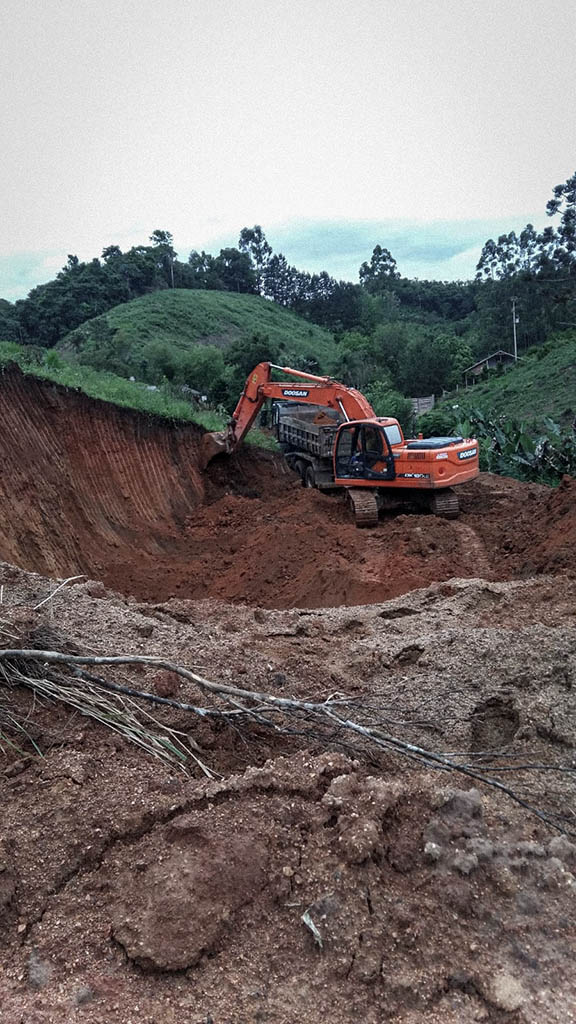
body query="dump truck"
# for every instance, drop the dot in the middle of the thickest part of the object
(331, 436)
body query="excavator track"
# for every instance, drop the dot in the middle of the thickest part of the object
(364, 506)
(445, 504)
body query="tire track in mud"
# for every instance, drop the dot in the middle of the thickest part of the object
(473, 549)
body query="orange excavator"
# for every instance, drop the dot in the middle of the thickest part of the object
(332, 438)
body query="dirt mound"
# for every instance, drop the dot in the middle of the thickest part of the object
(533, 528)
(91, 488)
(555, 547)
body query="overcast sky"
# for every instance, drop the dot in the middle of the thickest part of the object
(422, 125)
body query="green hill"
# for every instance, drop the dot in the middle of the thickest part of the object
(543, 383)
(118, 340)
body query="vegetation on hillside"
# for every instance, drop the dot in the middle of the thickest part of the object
(542, 383)
(181, 331)
(523, 417)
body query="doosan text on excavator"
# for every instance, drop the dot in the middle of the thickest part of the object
(332, 438)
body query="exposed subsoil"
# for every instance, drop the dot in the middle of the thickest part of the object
(95, 489)
(300, 884)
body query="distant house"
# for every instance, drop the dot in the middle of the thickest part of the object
(499, 358)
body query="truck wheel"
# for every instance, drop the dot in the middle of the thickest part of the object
(309, 478)
(300, 468)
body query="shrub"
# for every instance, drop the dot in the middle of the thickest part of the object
(439, 422)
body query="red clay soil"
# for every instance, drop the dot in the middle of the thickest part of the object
(118, 496)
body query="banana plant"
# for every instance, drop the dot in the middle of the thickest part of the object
(511, 447)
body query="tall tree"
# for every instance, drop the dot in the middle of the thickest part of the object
(382, 269)
(253, 242)
(9, 325)
(235, 270)
(111, 252)
(511, 255)
(564, 203)
(204, 271)
(279, 280)
(163, 242)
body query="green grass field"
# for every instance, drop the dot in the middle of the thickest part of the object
(183, 317)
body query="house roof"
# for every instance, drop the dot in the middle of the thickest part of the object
(486, 359)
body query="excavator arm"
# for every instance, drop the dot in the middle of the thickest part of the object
(310, 389)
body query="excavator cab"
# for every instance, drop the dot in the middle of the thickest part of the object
(363, 452)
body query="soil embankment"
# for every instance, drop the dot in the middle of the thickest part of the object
(91, 488)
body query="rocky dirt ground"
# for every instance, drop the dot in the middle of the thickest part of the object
(298, 882)
(133, 892)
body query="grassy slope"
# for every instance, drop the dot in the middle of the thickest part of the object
(543, 384)
(119, 391)
(184, 317)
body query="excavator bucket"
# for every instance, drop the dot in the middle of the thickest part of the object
(212, 445)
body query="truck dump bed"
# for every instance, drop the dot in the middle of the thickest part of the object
(307, 428)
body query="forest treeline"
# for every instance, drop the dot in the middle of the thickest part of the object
(415, 336)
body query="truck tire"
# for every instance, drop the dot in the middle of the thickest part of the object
(299, 467)
(309, 477)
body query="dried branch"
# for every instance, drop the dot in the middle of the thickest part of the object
(329, 721)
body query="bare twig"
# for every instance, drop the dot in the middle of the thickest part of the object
(54, 592)
(329, 721)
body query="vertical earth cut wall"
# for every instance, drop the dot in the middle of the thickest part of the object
(82, 479)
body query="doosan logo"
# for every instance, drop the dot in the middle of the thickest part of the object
(294, 393)
(467, 455)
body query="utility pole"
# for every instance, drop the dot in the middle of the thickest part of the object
(515, 320)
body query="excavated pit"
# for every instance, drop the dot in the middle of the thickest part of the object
(132, 892)
(89, 488)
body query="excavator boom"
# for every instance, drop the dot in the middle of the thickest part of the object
(311, 389)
